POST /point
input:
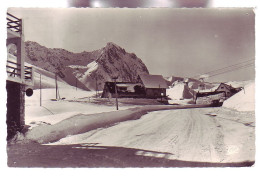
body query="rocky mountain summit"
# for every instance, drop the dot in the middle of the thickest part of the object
(92, 69)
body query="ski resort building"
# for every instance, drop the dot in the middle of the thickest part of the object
(228, 89)
(19, 76)
(147, 86)
(154, 85)
(222, 92)
(124, 90)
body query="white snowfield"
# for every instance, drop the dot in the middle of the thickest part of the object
(202, 134)
(80, 123)
(91, 67)
(191, 134)
(52, 112)
(244, 100)
(175, 92)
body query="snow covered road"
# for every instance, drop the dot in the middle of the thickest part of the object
(202, 134)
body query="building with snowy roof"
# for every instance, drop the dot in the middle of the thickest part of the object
(124, 90)
(228, 89)
(147, 86)
(154, 85)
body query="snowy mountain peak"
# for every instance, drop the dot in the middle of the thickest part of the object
(113, 49)
(112, 45)
(113, 60)
(92, 69)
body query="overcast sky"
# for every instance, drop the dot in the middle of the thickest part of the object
(179, 42)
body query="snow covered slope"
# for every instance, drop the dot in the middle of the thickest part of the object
(90, 68)
(179, 91)
(51, 112)
(55, 59)
(175, 92)
(193, 83)
(243, 100)
(112, 61)
(47, 78)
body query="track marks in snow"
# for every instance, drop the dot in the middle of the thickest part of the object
(196, 137)
(188, 134)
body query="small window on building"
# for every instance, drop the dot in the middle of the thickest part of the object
(222, 87)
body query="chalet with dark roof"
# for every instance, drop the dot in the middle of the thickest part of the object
(154, 85)
(147, 86)
(124, 90)
(228, 89)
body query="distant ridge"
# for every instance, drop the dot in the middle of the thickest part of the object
(91, 69)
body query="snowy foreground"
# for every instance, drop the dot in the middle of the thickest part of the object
(216, 135)
(202, 135)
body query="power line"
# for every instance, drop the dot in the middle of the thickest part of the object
(227, 67)
(230, 66)
(233, 69)
(240, 67)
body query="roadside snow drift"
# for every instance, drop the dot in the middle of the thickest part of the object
(201, 135)
(52, 112)
(179, 91)
(82, 123)
(243, 100)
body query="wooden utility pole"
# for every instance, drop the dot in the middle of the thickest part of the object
(77, 80)
(56, 84)
(76, 84)
(115, 78)
(96, 86)
(40, 90)
(160, 92)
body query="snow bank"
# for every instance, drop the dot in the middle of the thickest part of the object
(175, 93)
(82, 123)
(243, 100)
(165, 134)
(52, 112)
(56, 111)
(179, 91)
